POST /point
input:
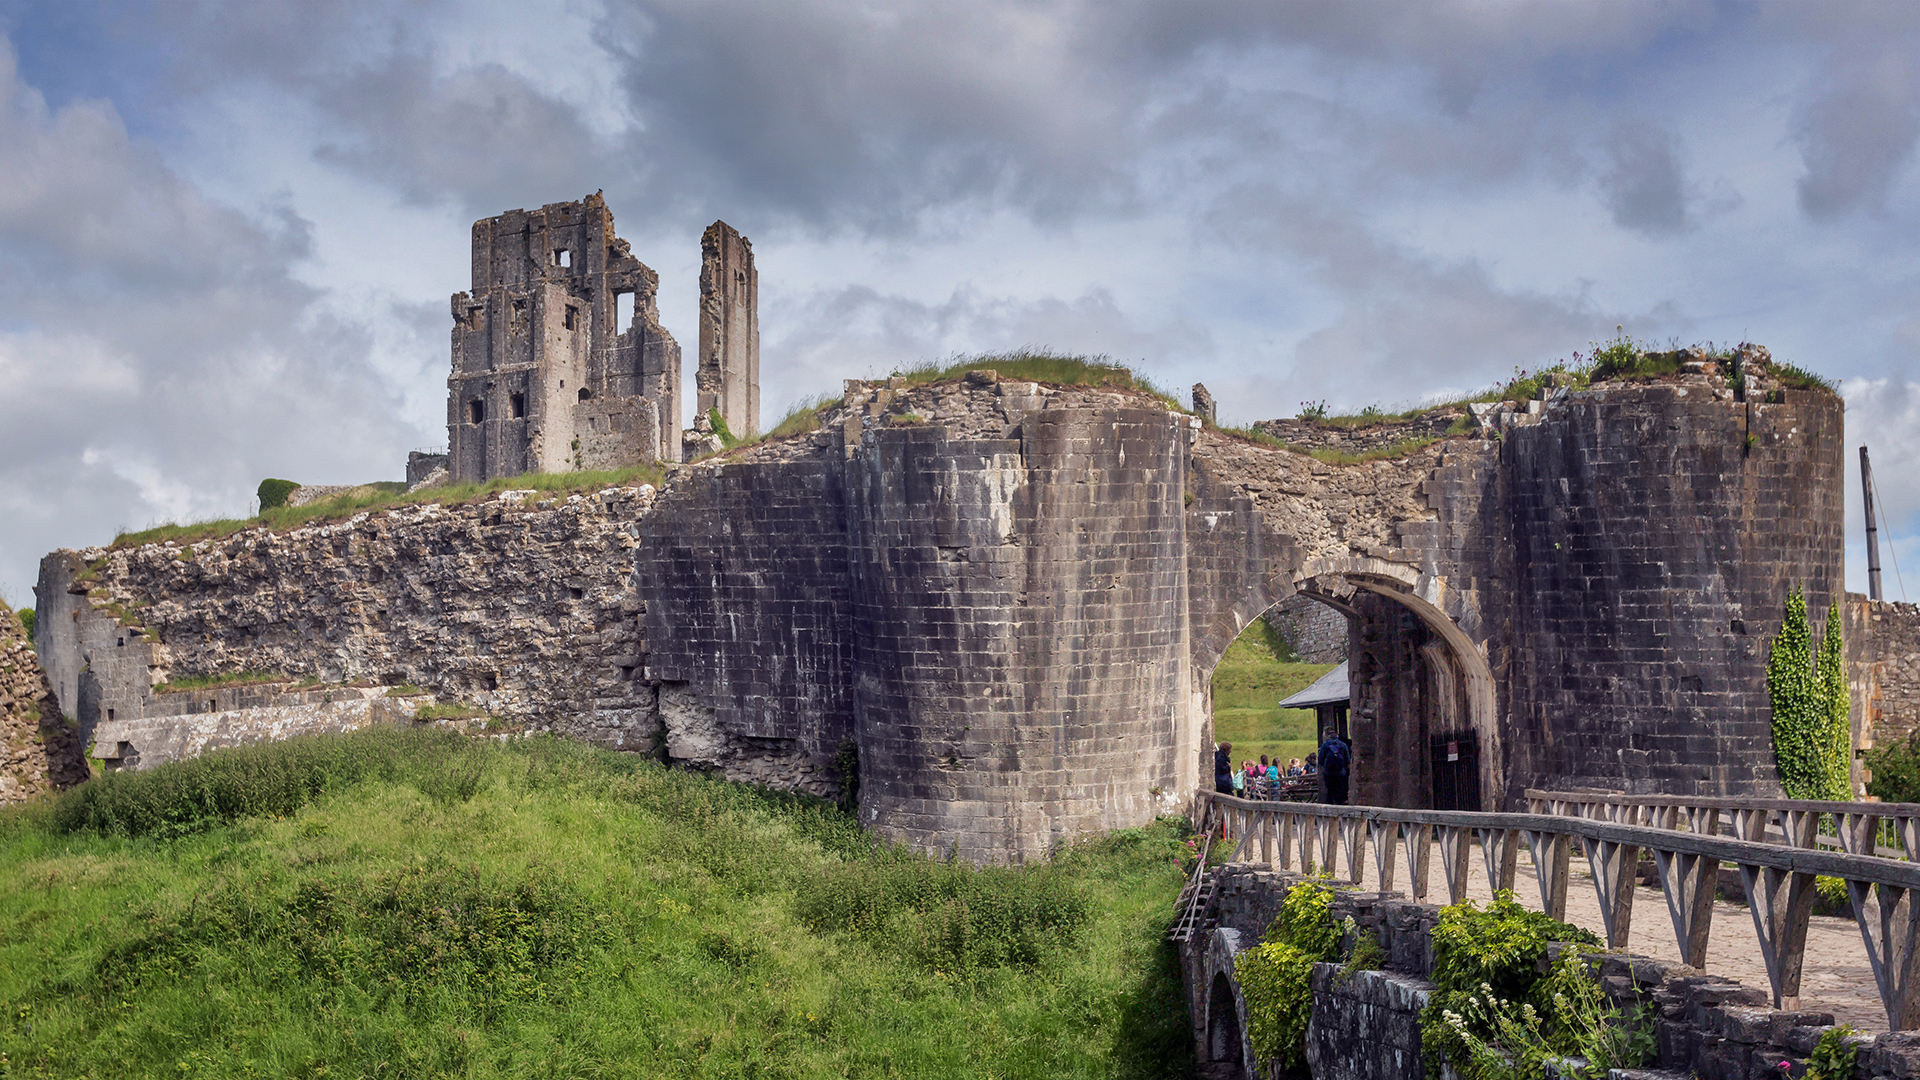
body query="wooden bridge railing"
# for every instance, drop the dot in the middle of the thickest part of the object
(1779, 878)
(1890, 830)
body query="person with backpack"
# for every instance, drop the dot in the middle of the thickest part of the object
(1336, 760)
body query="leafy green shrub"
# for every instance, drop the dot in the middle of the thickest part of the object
(1833, 1057)
(1489, 990)
(1275, 975)
(26, 621)
(1812, 738)
(1896, 771)
(273, 493)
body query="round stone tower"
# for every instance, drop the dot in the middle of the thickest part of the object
(1656, 531)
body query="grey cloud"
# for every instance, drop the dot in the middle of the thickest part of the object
(1857, 134)
(1644, 183)
(1407, 324)
(482, 133)
(158, 355)
(860, 332)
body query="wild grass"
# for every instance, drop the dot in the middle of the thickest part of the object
(408, 903)
(381, 496)
(803, 417)
(232, 678)
(1257, 672)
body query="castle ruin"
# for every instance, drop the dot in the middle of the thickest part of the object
(560, 362)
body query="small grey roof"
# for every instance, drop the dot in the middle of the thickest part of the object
(1329, 689)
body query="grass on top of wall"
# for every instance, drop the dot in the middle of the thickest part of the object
(341, 507)
(1039, 365)
(409, 903)
(1258, 671)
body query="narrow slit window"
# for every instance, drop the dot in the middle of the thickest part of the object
(519, 402)
(573, 314)
(476, 411)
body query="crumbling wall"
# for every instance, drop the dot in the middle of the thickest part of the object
(536, 335)
(522, 605)
(1883, 668)
(728, 378)
(39, 753)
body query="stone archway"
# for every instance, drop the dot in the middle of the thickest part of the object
(1443, 687)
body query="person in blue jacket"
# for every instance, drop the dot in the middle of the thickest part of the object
(1336, 760)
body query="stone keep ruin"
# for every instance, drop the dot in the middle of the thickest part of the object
(544, 377)
(1009, 597)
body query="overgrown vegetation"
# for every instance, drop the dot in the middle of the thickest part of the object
(1256, 673)
(382, 496)
(1807, 689)
(212, 682)
(1896, 771)
(1498, 1011)
(1274, 975)
(273, 493)
(410, 903)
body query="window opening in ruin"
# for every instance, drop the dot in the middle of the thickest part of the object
(572, 312)
(109, 714)
(622, 311)
(586, 394)
(563, 257)
(519, 403)
(476, 411)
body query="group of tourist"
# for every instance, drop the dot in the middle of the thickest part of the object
(1263, 779)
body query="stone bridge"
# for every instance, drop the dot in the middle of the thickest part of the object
(1010, 597)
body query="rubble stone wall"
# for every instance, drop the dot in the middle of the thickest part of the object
(522, 605)
(38, 752)
(1316, 633)
(1883, 666)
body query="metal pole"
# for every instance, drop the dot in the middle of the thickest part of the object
(1873, 530)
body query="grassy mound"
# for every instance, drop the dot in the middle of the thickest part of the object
(407, 903)
(1258, 671)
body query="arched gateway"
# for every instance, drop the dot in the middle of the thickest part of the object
(1018, 632)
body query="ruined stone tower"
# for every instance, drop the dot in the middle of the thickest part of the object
(729, 375)
(544, 379)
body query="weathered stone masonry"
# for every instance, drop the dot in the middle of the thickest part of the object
(1014, 610)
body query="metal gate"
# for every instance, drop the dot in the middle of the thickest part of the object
(1456, 771)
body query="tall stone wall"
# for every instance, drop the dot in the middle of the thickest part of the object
(728, 379)
(1656, 532)
(1316, 633)
(1028, 594)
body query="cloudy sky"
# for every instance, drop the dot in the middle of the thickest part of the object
(228, 231)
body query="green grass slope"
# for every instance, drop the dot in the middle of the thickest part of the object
(397, 903)
(1257, 672)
